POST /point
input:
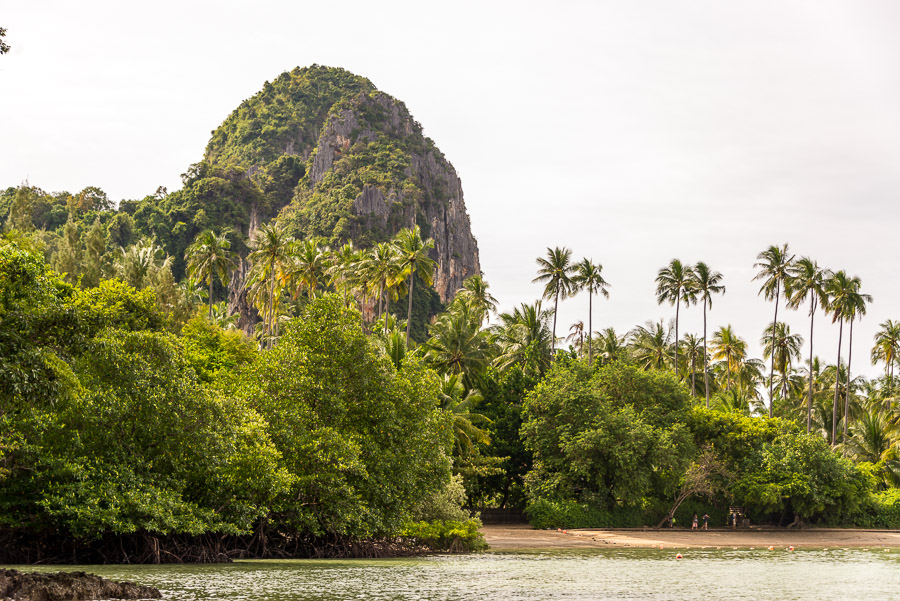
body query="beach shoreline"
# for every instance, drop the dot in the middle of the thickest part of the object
(511, 537)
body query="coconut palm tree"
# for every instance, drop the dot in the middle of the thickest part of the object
(576, 336)
(476, 292)
(838, 288)
(729, 348)
(270, 257)
(806, 281)
(380, 267)
(856, 303)
(887, 350)
(651, 345)
(342, 270)
(874, 436)
(461, 404)
(208, 256)
(773, 264)
(693, 349)
(458, 345)
(784, 348)
(706, 283)
(412, 259)
(555, 272)
(307, 268)
(588, 276)
(609, 346)
(674, 283)
(523, 337)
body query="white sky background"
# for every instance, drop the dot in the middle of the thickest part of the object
(632, 131)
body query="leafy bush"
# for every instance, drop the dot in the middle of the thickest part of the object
(447, 535)
(544, 513)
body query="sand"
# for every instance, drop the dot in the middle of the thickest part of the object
(524, 537)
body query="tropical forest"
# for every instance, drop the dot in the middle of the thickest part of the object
(296, 354)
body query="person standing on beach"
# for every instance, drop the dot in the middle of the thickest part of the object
(733, 520)
(706, 521)
(694, 522)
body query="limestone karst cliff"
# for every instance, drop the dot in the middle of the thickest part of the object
(340, 160)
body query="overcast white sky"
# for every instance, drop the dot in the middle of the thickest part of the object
(632, 131)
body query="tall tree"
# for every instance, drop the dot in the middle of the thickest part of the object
(856, 305)
(210, 255)
(94, 247)
(555, 272)
(269, 255)
(576, 336)
(784, 348)
(674, 283)
(887, 350)
(307, 268)
(693, 348)
(476, 291)
(524, 338)
(651, 343)
(589, 276)
(807, 282)
(412, 258)
(838, 288)
(706, 283)
(730, 348)
(773, 264)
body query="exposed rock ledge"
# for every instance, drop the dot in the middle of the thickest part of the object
(65, 586)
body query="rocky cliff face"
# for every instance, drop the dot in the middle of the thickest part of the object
(345, 162)
(420, 187)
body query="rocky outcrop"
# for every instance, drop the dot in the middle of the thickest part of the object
(60, 586)
(430, 194)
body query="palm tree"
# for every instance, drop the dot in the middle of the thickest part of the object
(307, 268)
(731, 349)
(610, 346)
(208, 256)
(412, 259)
(693, 349)
(838, 289)
(588, 276)
(461, 403)
(674, 283)
(784, 348)
(475, 291)
(706, 283)
(773, 264)
(576, 336)
(887, 350)
(139, 263)
(380, 266)
(342, 271)
(874, 435)
(458, 345)
(651, 344)
(807, 282)
(270, 246)
(555, 273)
(524, 338)
(856, 303)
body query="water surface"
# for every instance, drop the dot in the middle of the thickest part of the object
(632, 574)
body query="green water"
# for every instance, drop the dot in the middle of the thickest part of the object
(624, 574)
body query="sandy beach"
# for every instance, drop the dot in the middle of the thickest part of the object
(516, 536)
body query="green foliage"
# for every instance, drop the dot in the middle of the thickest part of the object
(214, 352)
(546, 513)
(445, 504)
(613, 436)
(447, 535)
(362, 441)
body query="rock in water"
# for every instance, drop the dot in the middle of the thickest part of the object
(62, 586)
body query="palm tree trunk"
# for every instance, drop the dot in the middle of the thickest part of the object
(772, 369)
(812, 316)
(553, 342)
(271, 309)
(412, 277)
(849, 379)
(590, 330)
(677, 310)
(693, 384)
(210, 296)
(705, 362)
(837, 385)
(387, 308)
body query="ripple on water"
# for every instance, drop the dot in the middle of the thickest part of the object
(632, 574)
